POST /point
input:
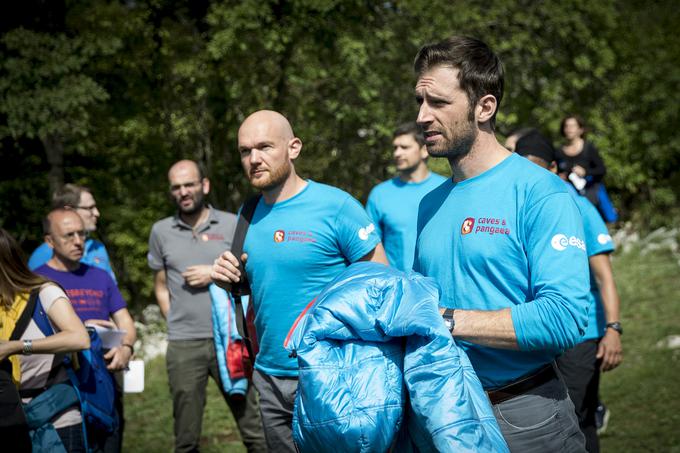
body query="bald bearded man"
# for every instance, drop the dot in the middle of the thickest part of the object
(302, 235)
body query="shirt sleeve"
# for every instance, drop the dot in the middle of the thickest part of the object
(106, 264)
(598, 239)
(374, 214)
(155, 255)
(356, 233)
(115, 298)
(40, 256)
(557, 316)
(595, 167)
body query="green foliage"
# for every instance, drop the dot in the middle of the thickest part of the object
(120, 90)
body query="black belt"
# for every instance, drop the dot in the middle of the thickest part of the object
(522, 386)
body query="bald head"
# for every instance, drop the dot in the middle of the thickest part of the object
(185, 166)
(61, 215)
(66, 236)
(267, 123)
(268, 148)
(188, 187)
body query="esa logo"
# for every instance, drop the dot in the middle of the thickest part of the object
(560, 242)
(604, 238)
(365, 232)
(279, 236)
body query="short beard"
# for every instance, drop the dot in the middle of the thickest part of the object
(277, 177)
(460, 145)
(196, 208)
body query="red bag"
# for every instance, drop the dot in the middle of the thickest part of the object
(239, 362)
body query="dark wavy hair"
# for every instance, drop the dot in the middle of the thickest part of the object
(480, 71)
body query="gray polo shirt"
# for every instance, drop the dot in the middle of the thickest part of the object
(174, 246)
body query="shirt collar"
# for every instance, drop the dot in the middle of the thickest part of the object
(212, 219)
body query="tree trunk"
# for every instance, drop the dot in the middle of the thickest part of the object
(54, 149)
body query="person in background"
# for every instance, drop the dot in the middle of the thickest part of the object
(600, 347)
(181, 250)
(80, 199)
(585, 169)
(97, 301)
(30, 358)
(393, 204)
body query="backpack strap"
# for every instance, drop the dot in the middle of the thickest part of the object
(242, 287)
(25, 317)
(39, 316)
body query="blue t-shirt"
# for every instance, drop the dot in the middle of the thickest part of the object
(94, 254)
(510, 237)
(598, 241)
(393, 206)
(295, 248)
(92, 292)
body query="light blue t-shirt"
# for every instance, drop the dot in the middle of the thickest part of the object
(94, 254)
(393, 206)
(295, 248)
(598, 241)
(511, 237)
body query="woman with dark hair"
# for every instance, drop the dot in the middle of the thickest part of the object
(28, 356)
(580, 159)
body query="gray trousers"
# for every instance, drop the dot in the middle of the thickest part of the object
(277, 399)
(189, 364)
(541, 420)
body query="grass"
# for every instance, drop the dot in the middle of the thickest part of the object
(149, 423)
(642, 394)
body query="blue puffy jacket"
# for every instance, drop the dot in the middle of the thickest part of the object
(379, 370)
(224, 331)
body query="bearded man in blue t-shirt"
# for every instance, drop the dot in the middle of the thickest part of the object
(504, 239)
(302, 235)
(393, 204)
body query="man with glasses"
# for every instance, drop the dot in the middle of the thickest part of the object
(182, 249)
(95, 298)
(80, 199)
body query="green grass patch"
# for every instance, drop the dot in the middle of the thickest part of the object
(149, 422)
(642, 393)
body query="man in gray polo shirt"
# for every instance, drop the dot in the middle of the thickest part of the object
(182, 249)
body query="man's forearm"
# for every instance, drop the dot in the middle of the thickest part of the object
(163, 301)
(162, 293)
(488, 328)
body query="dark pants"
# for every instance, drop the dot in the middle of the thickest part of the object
(72, 438)
(581, 371)
(540, 420)
(189, 363)
(277, 400)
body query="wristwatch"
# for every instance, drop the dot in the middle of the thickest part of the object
(28, 347)
(616, 325)
(448, 319)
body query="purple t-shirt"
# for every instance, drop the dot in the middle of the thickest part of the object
(93, 293)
